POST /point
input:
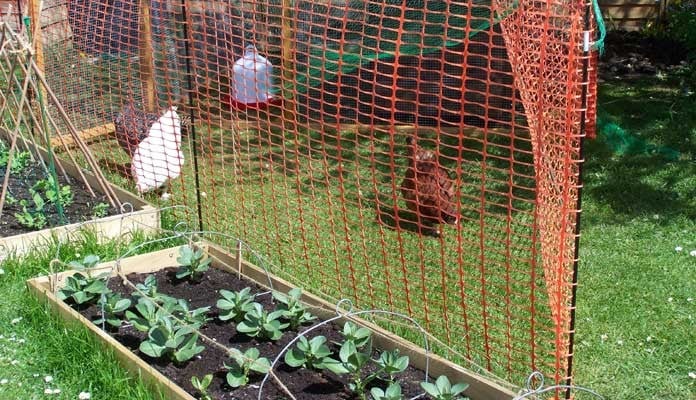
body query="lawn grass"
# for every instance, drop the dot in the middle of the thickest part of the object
(39, 353)
(636, 307)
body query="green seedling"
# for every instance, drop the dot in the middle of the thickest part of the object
(32, 217)
(354, 361)
(360, 336)
(293, 310)
(234, 305)
(172, 340)
(442, 389)
(89, 261)
(259, 323)
(179, 308)
(201, 385)
(244, 364)
(391, 363)
(10, 199)
(149, 289)
(100, 210)
(193, 263)
(54, 191)
(20, 159)
(392, 392)
(113, 305)
(81, 289)
(313, 353)
(147, 315)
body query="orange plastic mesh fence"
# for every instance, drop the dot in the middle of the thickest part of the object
(419, 156)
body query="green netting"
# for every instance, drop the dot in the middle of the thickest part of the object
(623, 142)
(392, 27)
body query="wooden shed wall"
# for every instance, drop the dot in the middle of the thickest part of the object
(631, 14)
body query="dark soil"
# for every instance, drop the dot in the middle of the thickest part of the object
(635, 54)
(81, 208)
(303, 383)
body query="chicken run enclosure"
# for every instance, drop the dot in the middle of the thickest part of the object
(418, 156)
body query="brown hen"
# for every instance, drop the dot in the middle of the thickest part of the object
(429, 190)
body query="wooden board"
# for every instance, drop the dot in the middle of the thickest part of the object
(101, 132)
(630, 14)
(363, 129)
(45, 287)
(143, 217)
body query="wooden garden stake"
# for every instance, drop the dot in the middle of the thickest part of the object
(36, 36)
(146, 57)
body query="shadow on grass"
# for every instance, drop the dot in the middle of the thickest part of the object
(621, 186)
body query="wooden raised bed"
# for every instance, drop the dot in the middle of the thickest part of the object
(45, 288)
(143, 217)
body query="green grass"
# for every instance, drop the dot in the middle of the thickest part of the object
(636, 315)
(35, 344)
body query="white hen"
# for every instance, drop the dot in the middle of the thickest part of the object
(159, 157)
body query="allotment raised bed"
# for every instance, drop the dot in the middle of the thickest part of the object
(25, 224)
(217, 335)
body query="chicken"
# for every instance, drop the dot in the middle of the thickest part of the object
(158, 157)
(132, 126)
(429, 190)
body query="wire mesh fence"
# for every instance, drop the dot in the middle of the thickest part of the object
(421, 156)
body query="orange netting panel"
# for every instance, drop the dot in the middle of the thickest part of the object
(545, 41)
(420, 156)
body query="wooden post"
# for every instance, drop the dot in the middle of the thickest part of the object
(36, 36)
(34, 8)
(288, 65)
(147, 63)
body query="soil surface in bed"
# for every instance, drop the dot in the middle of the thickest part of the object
(19, 185)
(302, 383)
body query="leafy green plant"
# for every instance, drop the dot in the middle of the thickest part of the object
(313, 353)
(113, 305)
(201, 385)
(80, 288)
(54, 191)
(179, 308)
(170, 339)
(260, 323)
(293, 310)
(83, 288)
(10, 199)
(193, 263)
(149, 289)
(357, 334)
(442, 389)
(20, 159)
(35, 217)
(234, 305)
(392, 392)
(88, 261)
(244, 364)
(147, 315)
(100, 210)
(391, 363)
(354, 361)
